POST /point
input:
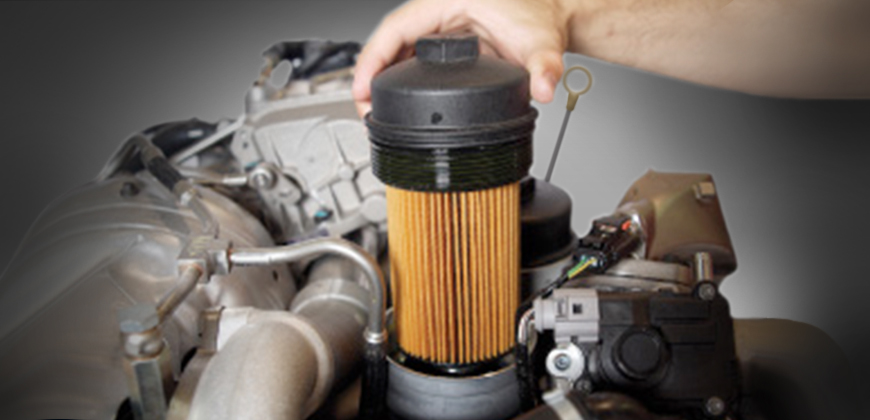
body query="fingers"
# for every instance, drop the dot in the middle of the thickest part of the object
(398, 31)
(363, 107)
(531, 34)
(545, 68)
(524, 33)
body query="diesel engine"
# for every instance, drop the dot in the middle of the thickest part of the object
(298, 262)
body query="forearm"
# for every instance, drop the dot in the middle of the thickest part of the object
(816, 48)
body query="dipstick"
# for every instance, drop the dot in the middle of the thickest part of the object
(572, 101)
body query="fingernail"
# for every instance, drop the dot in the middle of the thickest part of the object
(546, 88)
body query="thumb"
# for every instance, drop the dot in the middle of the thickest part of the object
(545, 69)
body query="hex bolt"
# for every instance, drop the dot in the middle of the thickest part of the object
(129, 189)
(263, 180)
(707, 291)
(705, 190)
(584, 386)
(714, 406)
(562, 362)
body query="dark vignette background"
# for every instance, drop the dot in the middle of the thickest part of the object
(77, 78)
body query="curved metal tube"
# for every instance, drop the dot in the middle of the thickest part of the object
(375, 332)
(171, 300)
(525, 324)
(275, 368)
(207, 177)
(251, 375)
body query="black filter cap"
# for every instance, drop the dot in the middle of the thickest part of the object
(451, 119)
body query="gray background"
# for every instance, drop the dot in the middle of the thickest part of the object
(77, 78)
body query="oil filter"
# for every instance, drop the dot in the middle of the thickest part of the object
(451, 135)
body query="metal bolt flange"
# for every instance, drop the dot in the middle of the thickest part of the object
(714, 406)
(707, 291)
(562, 362)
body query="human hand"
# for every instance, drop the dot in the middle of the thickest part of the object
(530, 33)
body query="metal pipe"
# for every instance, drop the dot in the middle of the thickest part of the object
(369, 239)
(276, 367)
(524, 326)
(186, 283)
(251, 375)
(375, 332)
(558, 145)
(207, 177)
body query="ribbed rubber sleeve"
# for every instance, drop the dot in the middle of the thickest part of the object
(164, 172)
(375, 377)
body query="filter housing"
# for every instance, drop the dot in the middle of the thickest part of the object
(451, 134)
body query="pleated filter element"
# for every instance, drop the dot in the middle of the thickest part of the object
(455, 265)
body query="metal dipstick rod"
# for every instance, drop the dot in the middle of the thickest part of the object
(572, 101)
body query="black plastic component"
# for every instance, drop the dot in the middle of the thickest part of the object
(610, 240)
(171, 137)
(670, 351)
(640, 354)
(312, 57)
(545, 215)
(450, 119)
(614, 406)
(542, 412)
(125, 411)
(457, 49)
(175, 136)
(164, 172)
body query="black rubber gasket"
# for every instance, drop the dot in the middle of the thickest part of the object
(459, 370)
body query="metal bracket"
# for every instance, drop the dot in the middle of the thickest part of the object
(147, 362)
(566, 364)
(210, 254)
(564, 409)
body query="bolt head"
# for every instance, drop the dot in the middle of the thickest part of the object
(714, 406)
(263, 180)
(562, 362)
(705, 190)
(707, 291)
(129, 189)
(584, 386)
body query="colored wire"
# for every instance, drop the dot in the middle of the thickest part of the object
(581, 266)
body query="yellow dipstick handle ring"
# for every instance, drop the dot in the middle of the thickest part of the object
(574, 94)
